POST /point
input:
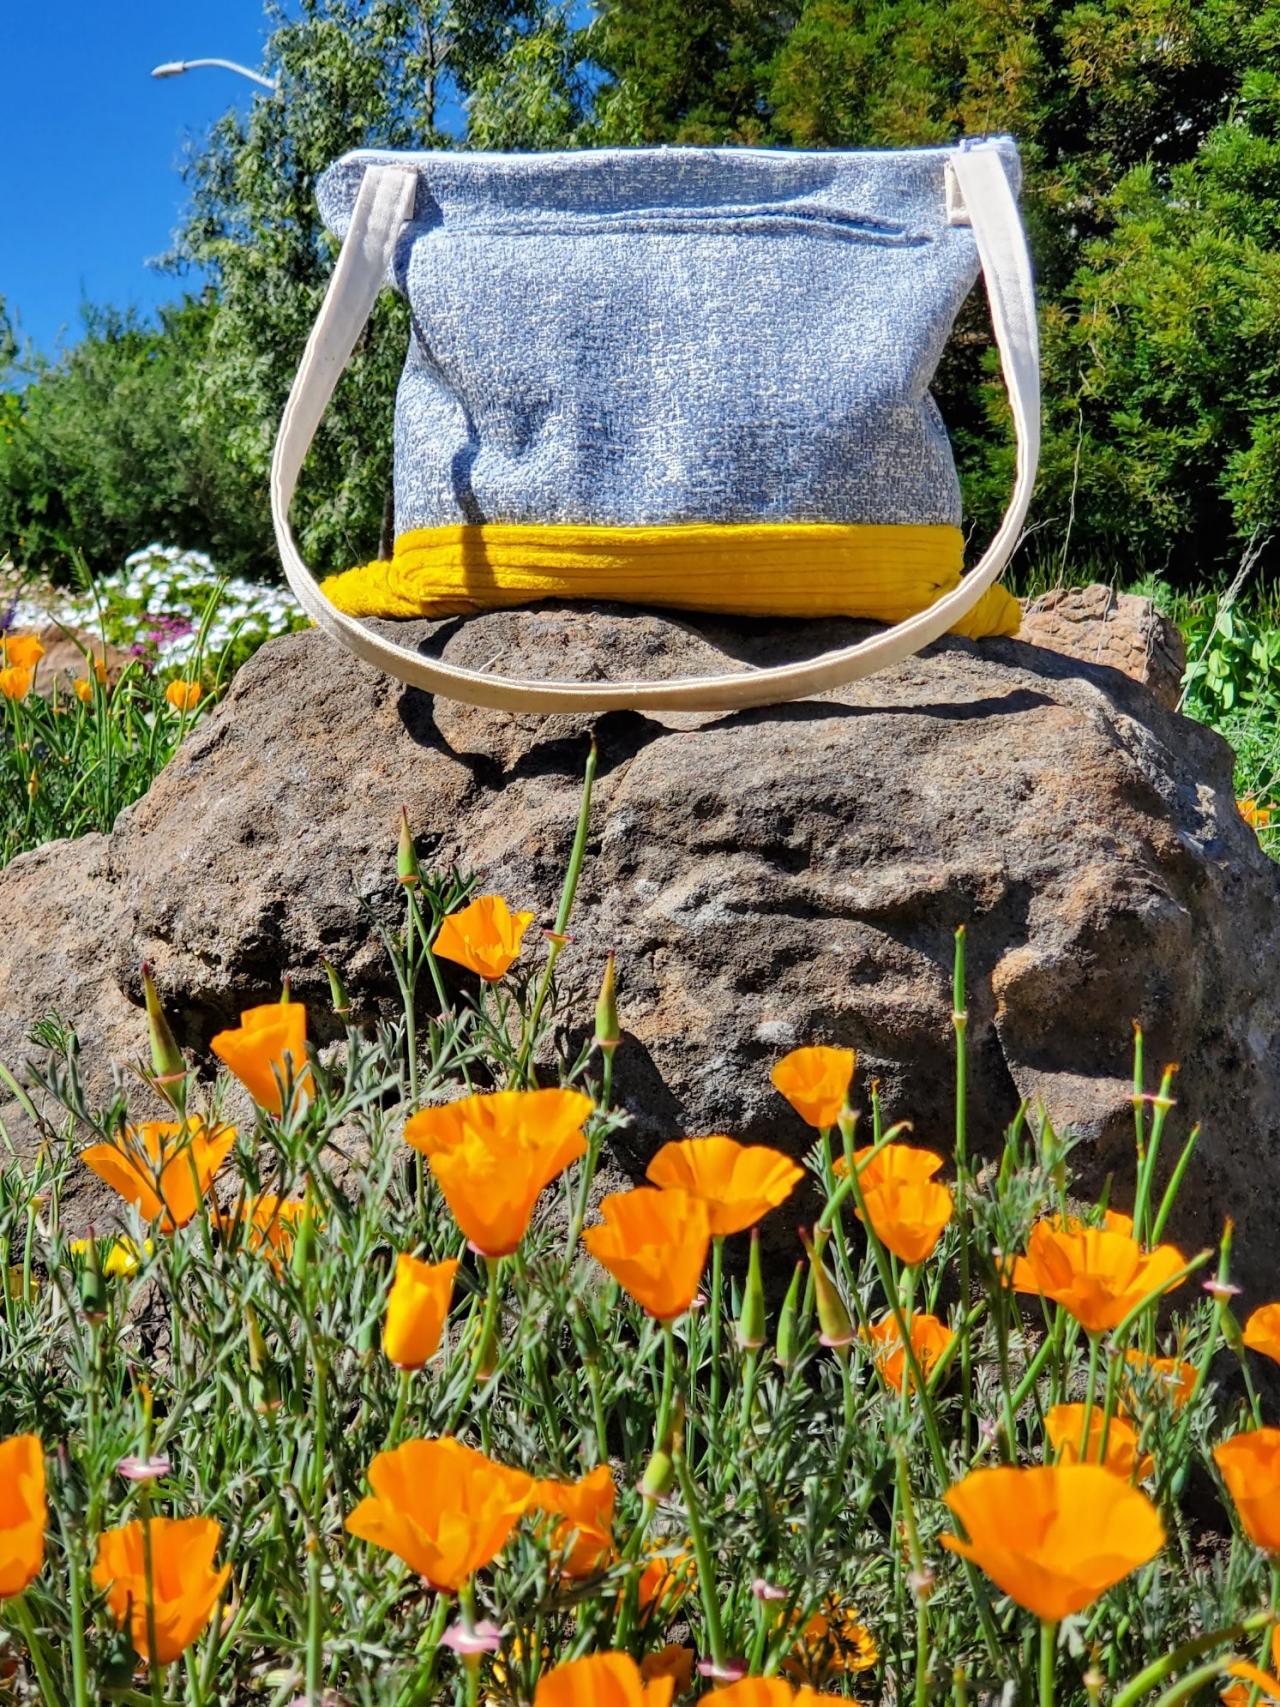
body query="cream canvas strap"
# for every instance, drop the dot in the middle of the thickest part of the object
(978, 194)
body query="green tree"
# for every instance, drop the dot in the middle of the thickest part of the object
(104, 449)
(391, 74)
(1152, 195)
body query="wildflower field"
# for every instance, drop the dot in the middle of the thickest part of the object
(373, 1399)
(160, 640)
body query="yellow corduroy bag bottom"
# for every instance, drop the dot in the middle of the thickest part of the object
(881, 573)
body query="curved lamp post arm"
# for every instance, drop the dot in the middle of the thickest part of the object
(175, 68)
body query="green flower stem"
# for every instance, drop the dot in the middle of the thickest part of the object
(493, 1295)
(960, 1022)
(1139, 1687)
(397, 1416)
(75, 1585)
(1110, 1401)
(595, 1138)
(1091, 1388)
(750, 1364)
(927, 1414)
(50, 1693)
(702, 1553)
(712, 1429)
(1146, 1173)
(154, 1670)
(1174, 1186)
(663, 1426)
(1048, 1648)
(920, 1593)
(1190, 1685)
(563, 914)
(315, 1544)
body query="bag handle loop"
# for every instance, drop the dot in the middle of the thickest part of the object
(977, 191)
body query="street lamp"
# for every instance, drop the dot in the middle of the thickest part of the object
(175, 68)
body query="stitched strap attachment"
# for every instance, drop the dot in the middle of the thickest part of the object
(977, 187)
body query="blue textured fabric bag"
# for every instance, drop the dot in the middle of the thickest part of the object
(694, 377)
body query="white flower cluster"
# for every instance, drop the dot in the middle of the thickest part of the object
(156, 603)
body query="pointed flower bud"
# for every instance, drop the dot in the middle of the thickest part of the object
(608, 1030)
(833, 1318)
(337, 990)
(93, 1290)
(263, 1385)
(660, 1472)
(789, 1320)
(406, 854)
(305, 1243)
(751, 1320)
(166, 1057)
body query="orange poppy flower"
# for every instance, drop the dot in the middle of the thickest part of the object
(1262, 1331)
(768, 1692)
(82, 687)
(492, 1155)
(1240, 1694)
(417, 1306)
(267, 1221)
(653, 1243)
(442, 1507)
(907, 1206)
(183, 696)
(602, 1680)
(739, 1183)
(1250, 1466)
(164, 1168)
(1254, 814)
(665, 1580)
(930, 1338)
(15, 681)
(484, 936)
(21, 651)
(1062, 1424)
(672, 1660)
(185, 1583)
(1167, 1378)
(1054, 1537)
(1098, 1274)
(24, 1512)
(815, 1081)
(583, 1539)
(834, 1640)
(269, 1044)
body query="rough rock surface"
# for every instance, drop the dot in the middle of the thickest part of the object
(768, 877)
(1100, 626)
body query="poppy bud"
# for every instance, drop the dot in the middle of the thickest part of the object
(166, 1058)
(337, 990)
(751, 1319)
(608, 1031)
(833, 1318)
(406, 855)
(659, 1475)
(660, 1472)
(788, 1320)
(304, 1243)
(93, 1289)
(263, 1386)
(487, 1354)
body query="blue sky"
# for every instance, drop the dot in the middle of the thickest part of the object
(89, 188)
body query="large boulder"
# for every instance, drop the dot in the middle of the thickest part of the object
(768, 877)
